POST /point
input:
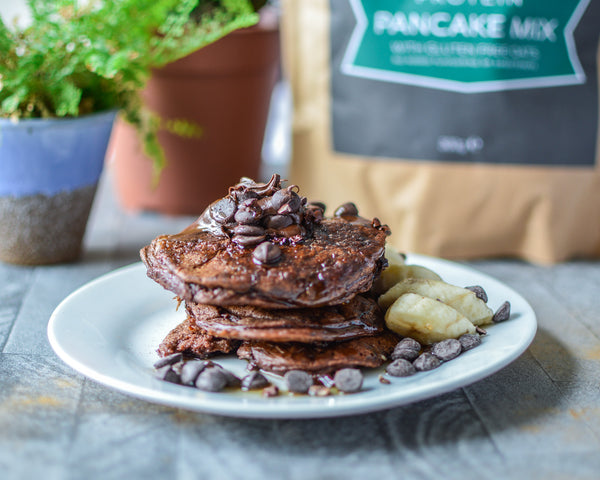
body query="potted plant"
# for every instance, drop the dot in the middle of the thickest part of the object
(213, 106)
(62, 79)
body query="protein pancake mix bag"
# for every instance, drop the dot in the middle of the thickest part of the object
(470, 127)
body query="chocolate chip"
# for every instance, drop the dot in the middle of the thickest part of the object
(469, 341)
(265, 206)
(232, 380)
(168, 360)
(426, 361)
(224, 210)
(401, 368)
(266, 253)
(314, 214)
(249, 202)
(319, 205)
(502, 314)
(296, 218)
(295, 201)
(191, 369)
(211, 380)
(250, 230)
(167, 374)
(244, 195)
(279, 221)
(479, 292)
(254, 381)
(248, 214)
(298, 381)
(178, 366)
(447, 349)
(247, 241)
(348, 380)
(292, 203)
(279, 198)
(347, 209)
(407, 348)
(285, 209)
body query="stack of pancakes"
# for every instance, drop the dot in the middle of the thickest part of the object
(265, 274)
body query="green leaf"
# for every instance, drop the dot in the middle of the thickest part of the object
(67, 98)
(183, 128)
(116, 63)
(96, 62)
(5, 40)
(11, 103)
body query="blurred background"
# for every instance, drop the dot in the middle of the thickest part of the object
(470, 128)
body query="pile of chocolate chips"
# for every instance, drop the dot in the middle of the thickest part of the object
(410, 357)
(262, 216)
(211, 377)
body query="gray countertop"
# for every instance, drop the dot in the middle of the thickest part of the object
(537, 418)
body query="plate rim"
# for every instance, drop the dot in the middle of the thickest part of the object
(220, 403)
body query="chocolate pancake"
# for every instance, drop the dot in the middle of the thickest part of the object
(339, 260)
(279, 358)
(359, 317)
(263, 245)
(189, 338)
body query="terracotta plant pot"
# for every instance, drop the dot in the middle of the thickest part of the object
(224, 90)
(48, 176)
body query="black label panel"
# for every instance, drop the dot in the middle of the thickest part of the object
(409, 80)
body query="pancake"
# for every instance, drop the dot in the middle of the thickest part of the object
(369, 352)
(189, 339)
(339, 260)
(359, 317)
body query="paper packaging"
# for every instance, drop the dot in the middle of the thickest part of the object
(470, 127)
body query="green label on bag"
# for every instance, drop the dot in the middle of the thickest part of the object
(461, 80)
(466, 46)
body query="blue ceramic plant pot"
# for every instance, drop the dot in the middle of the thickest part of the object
(49, 170)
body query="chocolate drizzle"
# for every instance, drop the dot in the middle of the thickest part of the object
(254, 215)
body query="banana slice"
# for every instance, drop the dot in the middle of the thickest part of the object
(397, 272)
(393, 256)
(425, 319)
(461, 299)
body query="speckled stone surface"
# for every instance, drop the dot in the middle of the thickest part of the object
(538, 418)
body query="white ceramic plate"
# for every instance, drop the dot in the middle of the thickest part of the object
(109, 330)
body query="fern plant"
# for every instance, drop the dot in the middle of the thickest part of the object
(84, 56)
